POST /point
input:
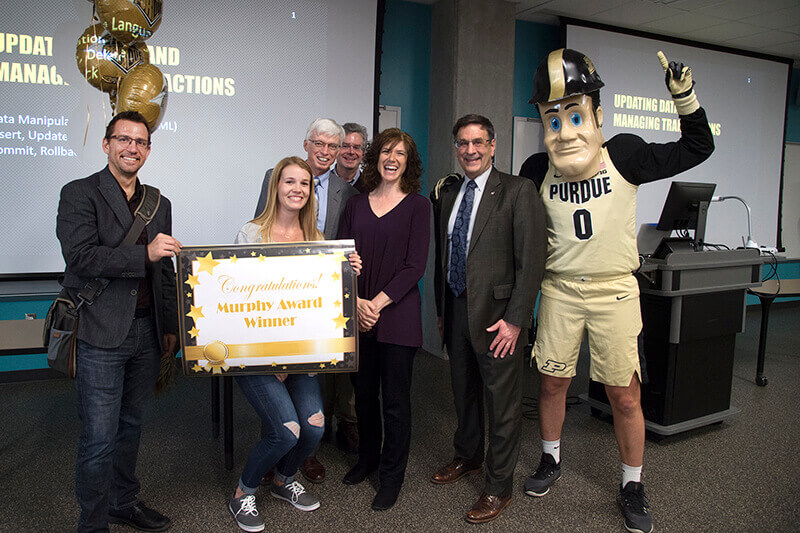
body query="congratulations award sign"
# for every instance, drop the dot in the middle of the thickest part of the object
(268, 308)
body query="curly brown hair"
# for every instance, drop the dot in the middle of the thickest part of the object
(389, 138)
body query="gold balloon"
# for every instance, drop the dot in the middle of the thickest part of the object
(130, 21)
(144, 89)
(103, 60)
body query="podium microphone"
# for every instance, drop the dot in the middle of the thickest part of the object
(749, 242)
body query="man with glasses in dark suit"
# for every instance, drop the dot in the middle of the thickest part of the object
(490, 252)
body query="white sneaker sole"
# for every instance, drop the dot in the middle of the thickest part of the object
(540, 494)
(312, 507)
(245, 527)
(537, 494)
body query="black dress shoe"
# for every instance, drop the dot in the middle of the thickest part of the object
(358, 473)
(140, 517)
(386, 498)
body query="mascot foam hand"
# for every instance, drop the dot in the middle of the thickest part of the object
(678, 78)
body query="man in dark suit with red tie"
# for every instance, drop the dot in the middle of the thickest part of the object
(490, 252)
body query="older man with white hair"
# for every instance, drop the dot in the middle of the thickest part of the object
(323, 140)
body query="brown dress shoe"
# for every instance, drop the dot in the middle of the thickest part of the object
(267, 479)
(457, 469)
(312, 469)
(487, 508)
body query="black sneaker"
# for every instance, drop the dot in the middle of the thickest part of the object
(635, 508)
(538, 483)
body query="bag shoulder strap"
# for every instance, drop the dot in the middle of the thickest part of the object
(145, 211)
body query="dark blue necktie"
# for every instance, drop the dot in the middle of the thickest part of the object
(458, 252)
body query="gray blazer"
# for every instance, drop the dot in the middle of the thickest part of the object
(339, 191)
(505, 260)
(93, 219)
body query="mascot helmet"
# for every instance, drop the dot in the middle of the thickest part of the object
(562, 74)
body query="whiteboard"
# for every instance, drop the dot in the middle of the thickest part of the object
(790, 216)
(528, 140)
(389, 116)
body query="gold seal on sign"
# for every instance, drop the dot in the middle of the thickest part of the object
(215, 352)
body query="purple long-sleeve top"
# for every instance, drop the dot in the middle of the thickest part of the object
(394, 250)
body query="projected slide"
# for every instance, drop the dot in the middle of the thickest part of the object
(245, 78)
(745, 99)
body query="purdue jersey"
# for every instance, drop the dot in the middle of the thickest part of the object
(591, 224)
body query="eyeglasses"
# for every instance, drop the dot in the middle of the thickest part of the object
(463, 144)
(125, 140)
(320, 145)
(355, 147)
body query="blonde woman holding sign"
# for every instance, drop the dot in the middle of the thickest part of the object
(289, 405)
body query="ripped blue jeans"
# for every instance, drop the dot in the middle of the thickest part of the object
(285, 409)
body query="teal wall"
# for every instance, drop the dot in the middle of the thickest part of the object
(406, 69)
(16, 310)
(532, 44)
(793, 109)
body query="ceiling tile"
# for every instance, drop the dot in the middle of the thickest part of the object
(791, 49)
(723, 32)
(694, 5)
(683, 22)
(634, 14)
(793, 29)
(582, 9)
(783, 18)
(760, 40)
(530, 5)
(739, 9)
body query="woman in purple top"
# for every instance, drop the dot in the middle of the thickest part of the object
(390, 223)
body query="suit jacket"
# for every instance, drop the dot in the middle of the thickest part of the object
(505, 260)
(358, 185)
(93, 219)
(339, 191)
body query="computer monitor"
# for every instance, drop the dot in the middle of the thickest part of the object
(686, 208)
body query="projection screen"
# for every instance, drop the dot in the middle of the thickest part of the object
(246, 79)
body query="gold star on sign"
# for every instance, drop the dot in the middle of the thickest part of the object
(336, 276)
(340, 321)
(207, 264)
(322, 365)
(283, 367)
(194, 332)
(274, 364)
(347, 296)
(333, 362)
(253, 253)
(261, 258)
(233, 259)
(196, 312)
(188, 294)
(308, 250)
(337, 303)
(242, 366)
(193, 281)
(197, 368)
